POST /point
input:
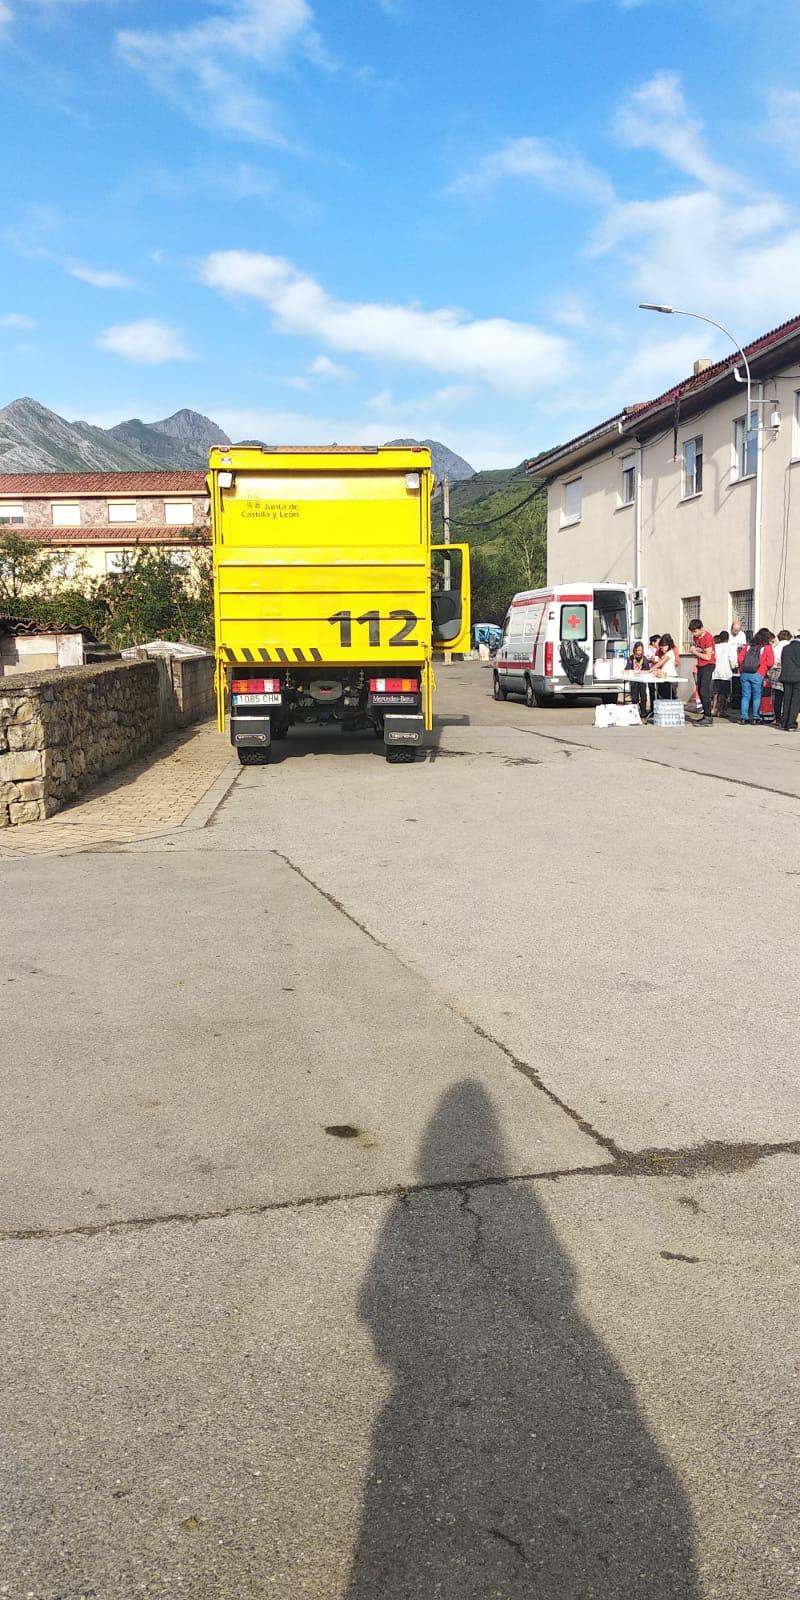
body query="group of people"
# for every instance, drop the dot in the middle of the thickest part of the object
(761, 670)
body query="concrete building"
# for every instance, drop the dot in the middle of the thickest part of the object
(683, 497)
(95, 519)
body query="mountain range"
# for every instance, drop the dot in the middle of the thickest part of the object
(34, 439)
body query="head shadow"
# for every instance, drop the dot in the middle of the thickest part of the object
(511, 1458)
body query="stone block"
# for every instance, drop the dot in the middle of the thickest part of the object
(25, 811)
(32, 790)
(24, 737)
(19, 764)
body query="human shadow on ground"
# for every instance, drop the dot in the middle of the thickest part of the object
(511, 1458)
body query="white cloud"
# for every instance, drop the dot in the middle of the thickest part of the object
(323, 367)
(99, 278)
(202, 66)
(558, 171)
(149, 342)
(6, 14)
(656, 117)
(16, 319)
(506, 355)
(783, 122)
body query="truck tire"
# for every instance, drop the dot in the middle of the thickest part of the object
(530, 695)
(544, 701)
(253, 758)
(497, 688)
(401, 752)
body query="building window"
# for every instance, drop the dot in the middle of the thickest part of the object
(117, 561)
(66, 514)
(66, 565)
(628, 488)
(690, 610)
(180, 558)
(692, 467)
(572, 501)
(11, 516)
(178, 513)
(573, 622)
(122, 510)
(745, 446)
(742, 607)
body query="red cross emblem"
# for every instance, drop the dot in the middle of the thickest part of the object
(573, 621)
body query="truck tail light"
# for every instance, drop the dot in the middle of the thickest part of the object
(548, 660)
(393, 685)
(256, 686)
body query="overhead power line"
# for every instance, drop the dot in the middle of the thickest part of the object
(502, 516)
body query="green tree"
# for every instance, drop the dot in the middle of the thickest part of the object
(26, 568)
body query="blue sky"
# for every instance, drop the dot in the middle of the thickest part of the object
(352, 221)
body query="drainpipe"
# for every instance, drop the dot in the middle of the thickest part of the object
(637, 546)
(758, 504)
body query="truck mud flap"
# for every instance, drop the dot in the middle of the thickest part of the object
(402, 730)
(252, 733)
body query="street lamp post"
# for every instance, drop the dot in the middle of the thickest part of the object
(676, 311)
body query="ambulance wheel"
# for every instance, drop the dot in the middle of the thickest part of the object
(543, 701)
(401, 752)
(253, 758)
(530, 696)
(497, 688)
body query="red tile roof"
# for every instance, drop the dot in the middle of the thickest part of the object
(108, 536)
(47, 484)
(686, 386)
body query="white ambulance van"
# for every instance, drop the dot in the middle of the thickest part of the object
(569, 640)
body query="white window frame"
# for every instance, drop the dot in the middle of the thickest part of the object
(12, 514)
(569, 518)
(182, 559)
(115, 562)
(743, 443)
(693, 492)
(627, 464)
(66, 513)
(122, 510)
(67, 564)
(181, 520)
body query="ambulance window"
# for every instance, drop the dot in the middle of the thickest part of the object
(573, 622)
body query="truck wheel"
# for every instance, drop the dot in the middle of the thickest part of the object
(530, 697)
(400, 752)
(253, 758)
(544, 700)
(497, 688)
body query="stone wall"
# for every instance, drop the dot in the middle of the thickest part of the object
(62, 731)
(193, 687)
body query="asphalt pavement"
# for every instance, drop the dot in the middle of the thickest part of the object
(399, 1177)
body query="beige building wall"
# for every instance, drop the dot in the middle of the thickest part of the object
(697, 546)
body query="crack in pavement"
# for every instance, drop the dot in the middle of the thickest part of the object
(713, 1157)
(523, 1067)
(718, 777)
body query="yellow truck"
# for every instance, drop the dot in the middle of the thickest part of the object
(330, 599)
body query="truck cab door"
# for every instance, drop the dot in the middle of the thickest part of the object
(450, 597)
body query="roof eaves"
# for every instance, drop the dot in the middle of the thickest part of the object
(541, 465)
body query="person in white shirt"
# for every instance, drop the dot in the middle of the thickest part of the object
(775, 672)
(738, 640)
(723, 673)
(738, 637)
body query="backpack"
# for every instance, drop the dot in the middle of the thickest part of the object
(752, 660)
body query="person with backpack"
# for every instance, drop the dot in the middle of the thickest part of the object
(755, 661)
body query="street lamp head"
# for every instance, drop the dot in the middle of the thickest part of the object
(645, 305)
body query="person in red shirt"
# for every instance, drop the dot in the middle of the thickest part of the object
(704, 651)
(755, 660)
